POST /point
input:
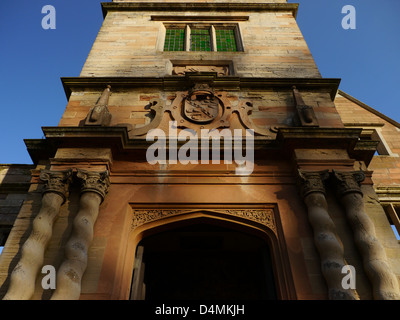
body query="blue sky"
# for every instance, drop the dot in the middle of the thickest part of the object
(33, 59)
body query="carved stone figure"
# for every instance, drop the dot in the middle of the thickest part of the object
(99, 114)
(305, 112)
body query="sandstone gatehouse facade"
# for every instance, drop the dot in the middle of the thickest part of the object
(322, 195)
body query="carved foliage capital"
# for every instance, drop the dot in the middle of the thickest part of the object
(348, 181)
(56, 181)
(312, 181)
(97, 182)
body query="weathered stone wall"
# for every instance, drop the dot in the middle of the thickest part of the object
(272, 42)
(386, 167)
(15, 201)
(14, 183)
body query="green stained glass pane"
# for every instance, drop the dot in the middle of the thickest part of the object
(200, 40)
(174, 40)
(226, 40)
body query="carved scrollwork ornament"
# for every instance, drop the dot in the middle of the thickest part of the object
(310, 181)
(348, 182)
(97, 182)
(262, 216)
(56, 181)
(203, 107)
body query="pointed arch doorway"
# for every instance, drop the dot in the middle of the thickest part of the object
(203, 260)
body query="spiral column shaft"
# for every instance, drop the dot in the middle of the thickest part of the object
(328, 244)
(70, 273)
(384, 283)
(23, 277)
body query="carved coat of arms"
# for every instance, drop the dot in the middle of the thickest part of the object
(201, 106)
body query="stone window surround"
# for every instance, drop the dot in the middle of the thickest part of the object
(216, 23)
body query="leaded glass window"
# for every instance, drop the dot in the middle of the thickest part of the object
(174, 39)
(200, 40)
(202, 37)
(226, 40)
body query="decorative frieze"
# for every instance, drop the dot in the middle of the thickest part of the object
(262, 216)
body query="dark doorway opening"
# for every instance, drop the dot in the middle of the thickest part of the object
(204, 261)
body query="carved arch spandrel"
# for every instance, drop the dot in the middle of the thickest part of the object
(262, 221)
(261, 216)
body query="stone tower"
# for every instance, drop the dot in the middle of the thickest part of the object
(201, 155)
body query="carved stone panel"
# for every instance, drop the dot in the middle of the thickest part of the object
(203, 107)
(181, 70)
(263, 216)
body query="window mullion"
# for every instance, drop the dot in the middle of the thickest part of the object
(187, 38)
(213, 39)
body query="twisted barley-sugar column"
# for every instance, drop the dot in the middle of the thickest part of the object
(328, 244)
(69, 275)
(384, 283)
(23, 277)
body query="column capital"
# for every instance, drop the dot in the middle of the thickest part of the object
(348, 181)
(92, 181)
(56, 181)
(312, 181)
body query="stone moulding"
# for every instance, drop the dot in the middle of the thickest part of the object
(264, 216)
(118, 138)
(198, 6)
(177, 83)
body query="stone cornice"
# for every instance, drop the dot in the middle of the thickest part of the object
(118, 139)
(219, 82)
(197, 6)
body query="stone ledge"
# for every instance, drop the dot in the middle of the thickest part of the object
(119, 142)
(198, 6)
(180, 83)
